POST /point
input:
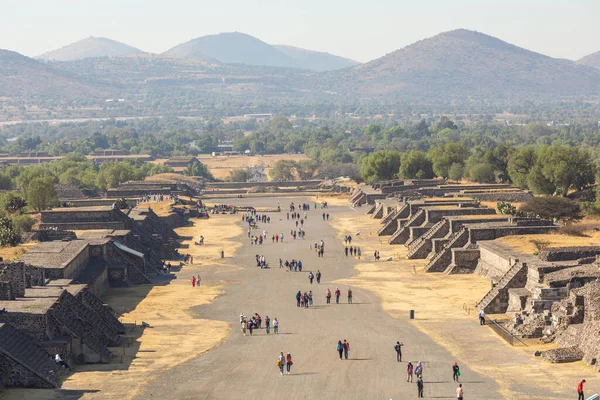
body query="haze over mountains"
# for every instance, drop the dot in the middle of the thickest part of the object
(468, 63)
(91, 47)
(593, 60)
(459, 66)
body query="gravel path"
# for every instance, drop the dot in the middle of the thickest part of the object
(244, 367)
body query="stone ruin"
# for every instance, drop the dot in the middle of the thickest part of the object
(552, 296)
(49, 299)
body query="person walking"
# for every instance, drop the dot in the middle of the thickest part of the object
(346, 251)
(310, 298)
(288, 363)
(281, 363)
(580, 390)
(398, 348)
(267, 324)
(275, 326)
(358, 252)
(455, 372)
(198, 280)
(420, 387)
(481, 318)
(311, 277)
(346, 347)
(419, 370)
(318, 277)
(298, 297)
(193, 281)
(244, 326)
(459, 392)
(349, 296)
(328, 296)
(337, 295)
(409, 372)
(340, 348)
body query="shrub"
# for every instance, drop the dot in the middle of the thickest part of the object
(540, 244)
(556, 208)
(22, 223)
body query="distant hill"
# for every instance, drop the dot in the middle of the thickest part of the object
(593, 60)
(91, 47)
(232, 48)
(463, 64)
(316, 60)
(22, 77)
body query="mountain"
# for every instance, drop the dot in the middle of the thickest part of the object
(22, 77)
(91, 47)
(463, 64)
(316, 60)
(232, 48)
(593, 60)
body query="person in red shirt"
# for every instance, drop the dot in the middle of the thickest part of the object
(580, 390)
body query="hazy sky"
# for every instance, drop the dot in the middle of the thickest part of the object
(358, 29)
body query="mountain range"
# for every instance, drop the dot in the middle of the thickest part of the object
(459, 66)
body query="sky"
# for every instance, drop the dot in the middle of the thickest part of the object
(362, 30)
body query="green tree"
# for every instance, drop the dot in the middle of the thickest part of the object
(455, 172)
(445, 155)
(550, 207)
(482, 173)
(566, 167)
(283, 170)
(41, 193)
(8, 236)
(11, 203)
(414, 164)
(306, 169)
(238, 175)
(196, 168)
(520, 163)
(380, 166)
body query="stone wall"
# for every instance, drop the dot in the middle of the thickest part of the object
(13, 374)
(568, 253)
(464, 261)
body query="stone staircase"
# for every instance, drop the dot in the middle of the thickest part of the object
(501, 287)
(419, 249)
(402, 233)
(24, 350)
(63, 311)
(442, 259)
(101, 310)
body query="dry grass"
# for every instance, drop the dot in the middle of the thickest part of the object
(221, 165)
(14, 253)
(173, 178)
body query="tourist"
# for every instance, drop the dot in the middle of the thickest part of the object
(346, 251)
(281, 237)
(351, 250)
(281, 363)
(318, 277)
(327, 215)
(409, 372)
(311, 277)
(244, 326)
(193, 281)
(58, 360)
(580, 390)
(280, 263)
(358, 252)
(349, 296)
(198, 280)
(419, 369)
(340, 348)
(298, 298)
(250, 326)
(337, 295)
(455, 372)
(481, 318)
(288, 363)
(267, 324)
(420, 387)
(328, 296)
(346, 347)
(459, 392)
(398, 348)
(275, 326)
(310, 298)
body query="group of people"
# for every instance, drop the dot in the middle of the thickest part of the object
(156, 198)
(293, 265)
(311, 277)
(304, 300)
(247, 325)
(301, 207)
(325, 216)
(253, 217)
(261, 261)
(320, 248)
(353, 251)
(296, 216)
(300, 233)
(337, 294)
(188, 258)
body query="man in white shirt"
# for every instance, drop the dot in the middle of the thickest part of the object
(459, 392)
(60, 361)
